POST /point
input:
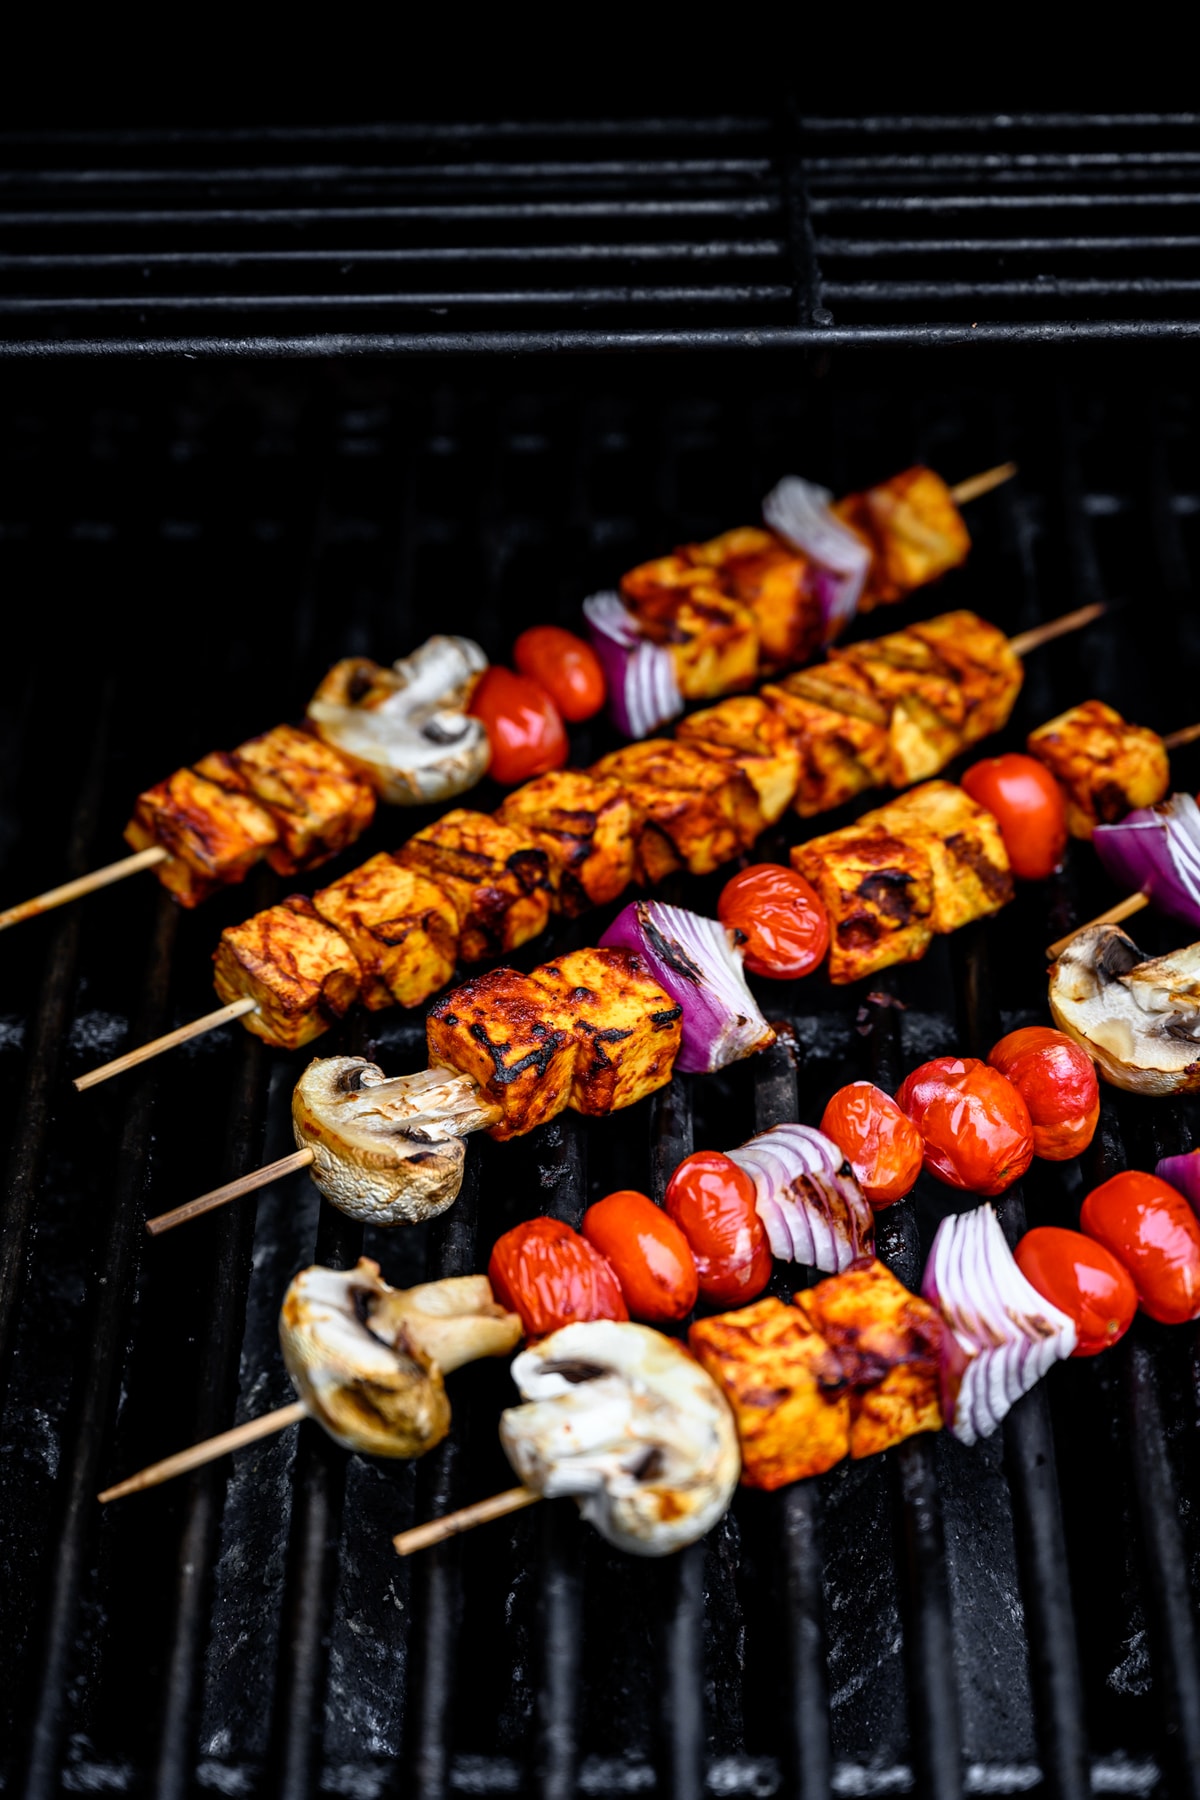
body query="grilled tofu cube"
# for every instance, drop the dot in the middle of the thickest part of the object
(713, 639)
(967, 858)
(401, 927)
(888, 1344)
(773, 579)
(785, 1386)
(628, 1029)
(299, 969)
(704, 810)
(878, 890)
(1105, 767)
(497, 879)
(318, 801)
(989, 673)
(914, 530)
(588, 830)
(212, 831)
(501, 1029)
(748, 733)
(921, 696)
(842, 753)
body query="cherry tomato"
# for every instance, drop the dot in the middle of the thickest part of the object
(1084, 1280)
(551, 1277)
(526, 733)
(1029, 808)
(567, 668)
(781, 917)
(650, 1254)
(880, 1143)
(713, 1203)
(1057, 1082)
(1150, 1228)
(977, 1130)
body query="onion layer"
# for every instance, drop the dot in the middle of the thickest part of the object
(1005, 1335)
(1183, 1174)
(696, 961)
(813, 1208)
(642, 690)
(1156, 851)
(800, 512)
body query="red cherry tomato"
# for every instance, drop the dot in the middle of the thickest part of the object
(526, 733)
(880, 1143)
(1151, 1229)
(1084, 1280)
(1057, 1082)
(650, 1254)
(781, 917)
(977, 1130)
(567, 668)
(1029, 808)
(713, 1203)
(551, 1277)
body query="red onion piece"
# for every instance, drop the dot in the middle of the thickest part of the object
(799, 511)
(813, 1208)
(1156, 851)
(1182, 1173)
(642, 690)
(1008, 1334)
(696, 961)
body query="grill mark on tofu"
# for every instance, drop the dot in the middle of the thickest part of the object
(996, 883)
(539, 1058)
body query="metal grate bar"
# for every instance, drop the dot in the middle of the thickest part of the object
(750, 248)
(749, 206)
(147, 304)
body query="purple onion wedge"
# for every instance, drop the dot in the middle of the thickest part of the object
(813, 1208)
(642, 690)
(1183, 1174)
(800, 512)
(1156, 851)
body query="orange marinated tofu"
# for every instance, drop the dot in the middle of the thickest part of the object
(498, 879)
(501, 1029)
(706, 810)
(749, 733)
(878, 890)
(842, 754)
(212, 831)
(1104, 766)
(628, 1029)
(772, 579)
(300, 970)
(785, 1386)
(969, 864)
(400, 926)
(712, 638)
(318, 800)
(914, 530)
(588, 830)
(988, 670)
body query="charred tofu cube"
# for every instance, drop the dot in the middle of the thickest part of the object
(588, 830)
(749, 734)
(988, 671)
(785, 1386)
(773, 580)
(318, 801)
(878, 890)
(706, 811)
(628, 1029)
(888, 1344)
(914, 530)
(401, 927)
(842, 752)
(212, 831)
(497, 878)
(297, 967)
(922, 697)
(713, 639)
(1105, 767)
(967, 858)
(501, 1029)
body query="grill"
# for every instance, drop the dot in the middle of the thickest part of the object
(1015, 1618)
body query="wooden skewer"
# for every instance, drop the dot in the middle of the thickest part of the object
(1124, 909)
(423, 1537)
(85, 884)
(237, 1009)
(233, 1190)
(1177, 739)
(983, 483)
(1025, 641)
(208, 1451)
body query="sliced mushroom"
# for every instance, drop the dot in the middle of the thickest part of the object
(386, 1151)
(407, 727)
(368, 1359)
(626, 1421)
(1138, 1016)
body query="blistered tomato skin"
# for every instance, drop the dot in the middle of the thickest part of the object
(650, 1254)
(567, 668)
(713, 1203)
(1027, 804)
(1084, 1280)
(976, 1128)
(523, 726)
(1057, 1082)
(881, 1144)
(550, 1276)
(782, 918)
(1151, 1229)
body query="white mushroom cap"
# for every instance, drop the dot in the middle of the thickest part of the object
(408, 730)
(1137, 1016)
(626, 1421)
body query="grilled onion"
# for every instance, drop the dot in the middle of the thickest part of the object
(800, 512)
(1156, 851)
(813, 1208)
(643, 692)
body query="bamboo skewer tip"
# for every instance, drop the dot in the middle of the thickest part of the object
(208, 1451)
(1124, 909)
(232, 1190)
(977, 485)
(237, 1009)
(436, 1531)
(83, 884)
(1037, 635)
